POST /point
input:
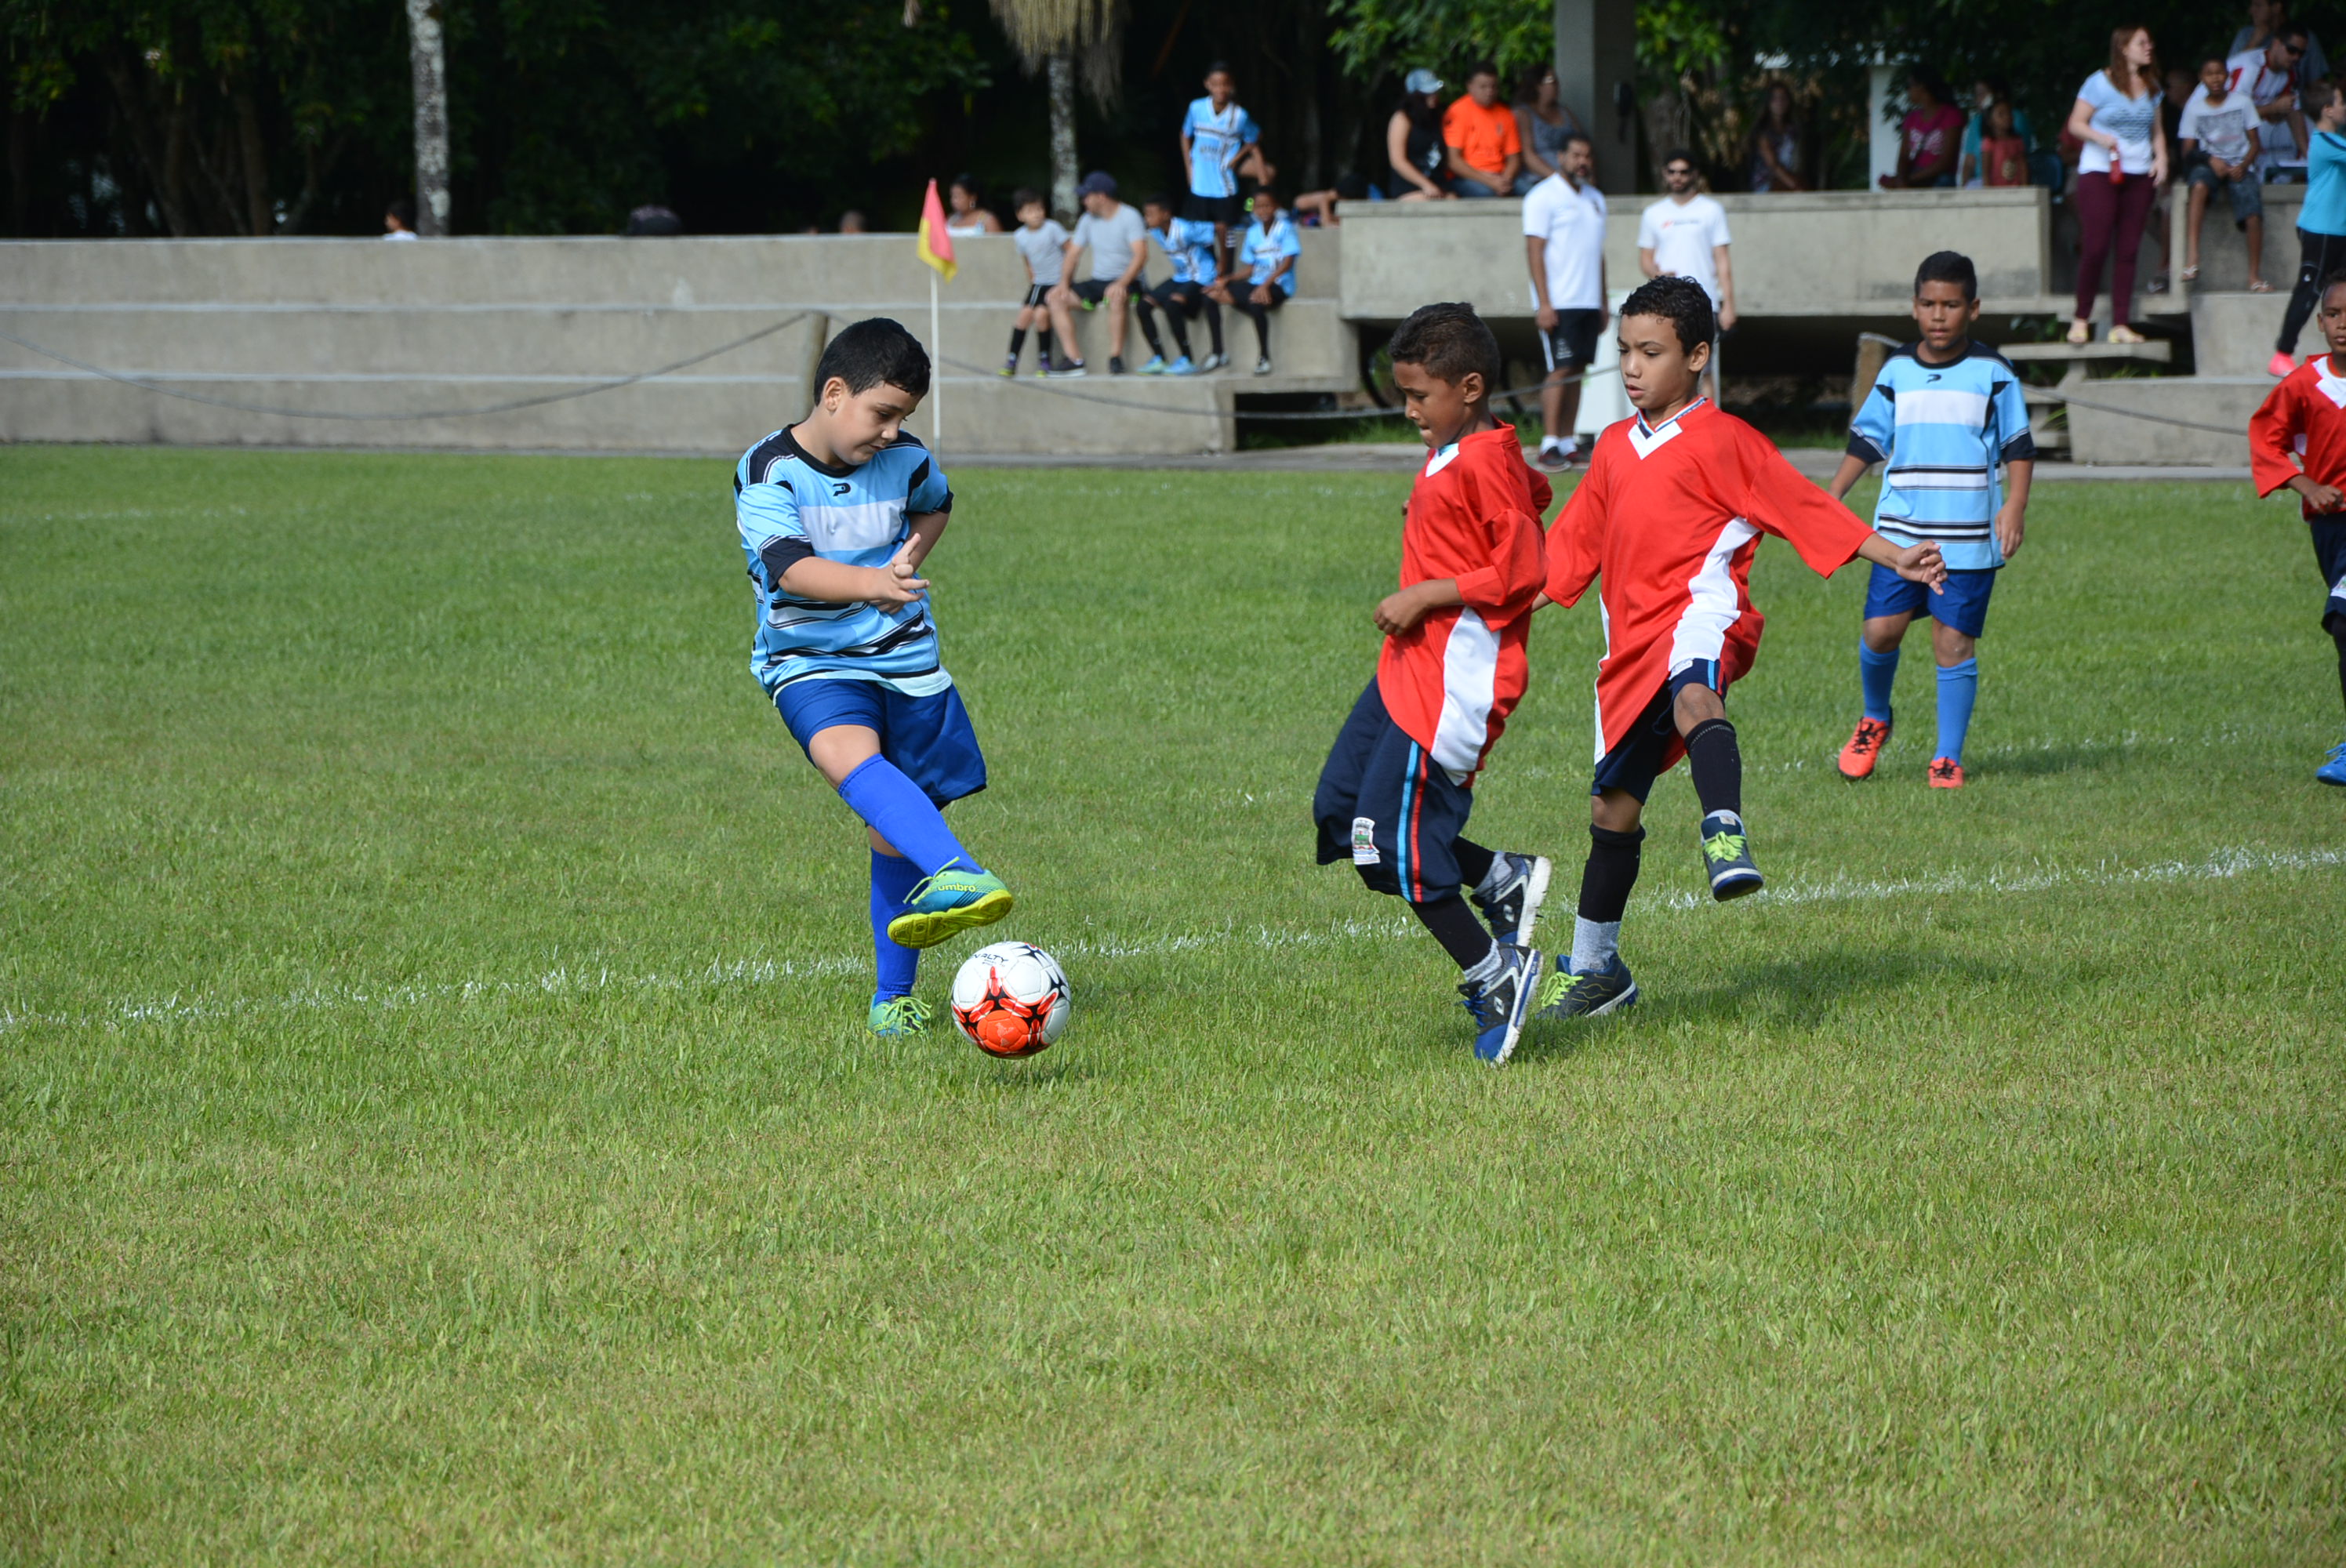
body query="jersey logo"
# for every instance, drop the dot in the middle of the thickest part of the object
(839, 487)
(1934, 375)
(1364, 842)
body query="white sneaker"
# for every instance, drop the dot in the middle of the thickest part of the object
(1263, 366)
(1212, 362)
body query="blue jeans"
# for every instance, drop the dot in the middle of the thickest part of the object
(1465, 186)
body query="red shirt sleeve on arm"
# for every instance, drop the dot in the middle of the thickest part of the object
(1786, 503)
(2272, 431)
(1510, 530)
(1576, 542)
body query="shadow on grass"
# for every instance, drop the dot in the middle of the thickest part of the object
(1784, 994)
(2039, 762)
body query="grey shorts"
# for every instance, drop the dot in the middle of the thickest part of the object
(2247, 196)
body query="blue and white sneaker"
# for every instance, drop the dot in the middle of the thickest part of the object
(1499, 1005)
(1590, 995)
(1726, 857)
(1181, 367)
(1511, 909)
(2333, 772)
(1155, 367)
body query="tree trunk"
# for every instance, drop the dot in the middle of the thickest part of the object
(1670, 126)
(20, 173)
(1308, 54)
(1061, 73)
(130, 98)
(257, 211)
(428, 65)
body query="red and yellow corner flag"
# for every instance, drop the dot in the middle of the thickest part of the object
(936, 244)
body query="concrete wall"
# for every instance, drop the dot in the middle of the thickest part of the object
(1828, 254)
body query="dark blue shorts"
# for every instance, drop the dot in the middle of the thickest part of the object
(1963, 607)
(1389, 808)
(2330, 550)
(1652, 745)
(928, 738)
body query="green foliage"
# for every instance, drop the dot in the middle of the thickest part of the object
(1378, 38)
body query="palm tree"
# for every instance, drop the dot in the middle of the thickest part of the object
(1051, 35)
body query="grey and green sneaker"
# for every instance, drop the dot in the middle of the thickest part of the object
(1726, 857)
(893, 1015)
(951, 901)
(1519, 886)
(1564, 994)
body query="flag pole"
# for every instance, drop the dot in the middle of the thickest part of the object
(936, 383)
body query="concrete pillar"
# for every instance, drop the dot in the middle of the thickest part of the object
(1883, 84)
(1596, 74)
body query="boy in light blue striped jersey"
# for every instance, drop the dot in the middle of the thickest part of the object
(1942, 414)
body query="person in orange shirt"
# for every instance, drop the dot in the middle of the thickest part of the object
(1485, 148)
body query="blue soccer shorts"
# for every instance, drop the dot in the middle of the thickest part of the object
(927, 738)
(1652, 744)
(1963, 607)
(2330, 550)
(1384, 804)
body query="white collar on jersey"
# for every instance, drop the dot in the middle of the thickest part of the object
(1441, 460)
(1644, 438)
(2327, 380)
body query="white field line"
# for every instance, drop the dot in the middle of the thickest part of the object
(2217, 866)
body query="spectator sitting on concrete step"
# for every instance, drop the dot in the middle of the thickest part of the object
(399, 220)
(1413, 148)
(1117, 239)
(1485, 150)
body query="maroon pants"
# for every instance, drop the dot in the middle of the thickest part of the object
(2110, 214)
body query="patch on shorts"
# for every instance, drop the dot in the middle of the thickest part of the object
(1364, 842)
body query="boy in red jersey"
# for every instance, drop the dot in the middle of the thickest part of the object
(1670, 515)
(2297, 441)
(1400, 781)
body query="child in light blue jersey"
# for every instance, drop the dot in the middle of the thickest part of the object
(1189, 245)
(1942, 413)
(836, 514)
(1268, 254)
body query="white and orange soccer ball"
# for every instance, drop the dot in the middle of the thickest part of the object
(1011, 998)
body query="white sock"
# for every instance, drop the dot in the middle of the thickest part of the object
(1594, 943)
(1495, 962)
(1494, 877)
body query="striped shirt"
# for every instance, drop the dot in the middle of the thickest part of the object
(1217, 138)
(1188, 244)
(1943, 429)
(788, 507)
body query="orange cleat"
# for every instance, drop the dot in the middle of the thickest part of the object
(1946, 773)
(2280, 365)
(1864, 748)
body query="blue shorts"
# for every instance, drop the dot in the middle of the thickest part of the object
(2330, 550)
(928, 738)
(1389, 808)
(1963, 607)
(1653, 744)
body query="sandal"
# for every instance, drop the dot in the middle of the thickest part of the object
(2259, 286)
(2123, 333)
(2191, 274)
(2081, 332)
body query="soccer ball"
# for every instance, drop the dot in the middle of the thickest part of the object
(1011, 998)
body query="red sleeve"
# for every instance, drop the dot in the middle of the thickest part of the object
(1510, 529)
(1576, 542)
(1786, 503)
(2272, 429)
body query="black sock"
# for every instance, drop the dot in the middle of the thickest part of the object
(1261, 314)
(1454, 925)
(2337, 633)
(1611, 873)
(1180, 333)
(1717, 764)
(1148, 330)
(1018, 342)
(1043, 346)
(1214, 322)
(1474, 861)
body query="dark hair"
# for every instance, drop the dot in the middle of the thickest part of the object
(1451, 342)
(1221, 68)
(1026, 196)
(1680, 155)
(1948, 267)
(966, 182)
(403, 209)
(2317, 96)
(1929, 76)
(1680, 301)
(2332, 281)
(1527, 86)
(1164, 199)
(1483, 68)
(872, 352)
(2289, 30)
(2209, 60)
(1579, 135)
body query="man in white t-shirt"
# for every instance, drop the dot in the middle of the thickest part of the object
(2269, 75)
(1563, 242)
(1683, 235)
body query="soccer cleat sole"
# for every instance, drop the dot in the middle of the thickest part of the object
(1535, 895)
(920, 930)
(1736, 885)
(1526, 992)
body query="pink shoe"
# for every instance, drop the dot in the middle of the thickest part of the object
(2280, 364)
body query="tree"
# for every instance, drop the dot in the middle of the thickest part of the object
(428, 69)
(1053, 36)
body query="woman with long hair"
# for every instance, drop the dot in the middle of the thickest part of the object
(1776, 144)
(2119, 172)
(1543, 123)
(1413, 140)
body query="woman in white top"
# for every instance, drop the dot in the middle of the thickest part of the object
(965, 216)
(2119, 175)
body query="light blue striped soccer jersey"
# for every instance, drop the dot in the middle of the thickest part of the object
(1943, 429)
(1216, 142)
(788, 506)
(1188, 244)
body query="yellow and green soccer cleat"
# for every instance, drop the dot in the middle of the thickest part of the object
(948, 902)
(893, 1016)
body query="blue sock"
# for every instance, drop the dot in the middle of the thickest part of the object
(892, 877)
(1958, 690)
(1876, 672)
(896, 810)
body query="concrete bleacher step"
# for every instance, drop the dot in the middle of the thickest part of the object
(2160, 419)
(2232, 334)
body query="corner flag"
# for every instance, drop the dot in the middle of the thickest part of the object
(936, 244)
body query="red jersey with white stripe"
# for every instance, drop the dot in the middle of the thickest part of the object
(1670, 516)
(1451, 679)
(2303, 418)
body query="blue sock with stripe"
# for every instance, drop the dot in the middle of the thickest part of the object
(1876, 673)
(893, 877)
(895, 809)
(1958, 690)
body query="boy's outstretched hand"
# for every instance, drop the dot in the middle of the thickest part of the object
(1915, 563)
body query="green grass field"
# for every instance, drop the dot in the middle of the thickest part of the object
(436, 1123)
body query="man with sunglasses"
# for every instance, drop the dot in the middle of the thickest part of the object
(2268, 17)
(2269, 77)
